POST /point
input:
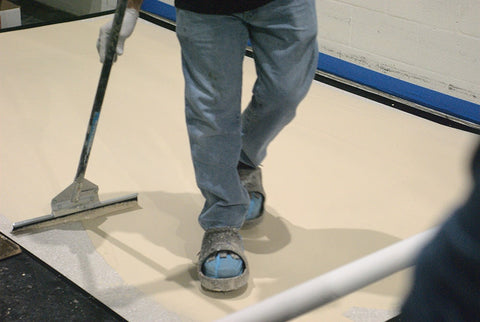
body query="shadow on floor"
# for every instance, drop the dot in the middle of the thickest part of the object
(281, 254)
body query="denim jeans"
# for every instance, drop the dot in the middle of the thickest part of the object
(283, 37)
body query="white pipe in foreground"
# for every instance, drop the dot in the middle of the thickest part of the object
(337, 283)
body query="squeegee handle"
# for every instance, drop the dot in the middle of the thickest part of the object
(101, 88)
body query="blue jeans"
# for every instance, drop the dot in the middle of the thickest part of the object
(283, 38)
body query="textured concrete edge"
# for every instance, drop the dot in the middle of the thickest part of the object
(68, 249)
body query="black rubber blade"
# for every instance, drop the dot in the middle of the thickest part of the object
(109, 207)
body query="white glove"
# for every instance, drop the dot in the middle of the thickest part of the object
(129, 21)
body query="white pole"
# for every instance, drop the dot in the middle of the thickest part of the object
(337, 283)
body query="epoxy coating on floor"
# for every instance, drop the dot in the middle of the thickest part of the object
(348, 177)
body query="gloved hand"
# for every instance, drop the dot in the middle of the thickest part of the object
(129, 21)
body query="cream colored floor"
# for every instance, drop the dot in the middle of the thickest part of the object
(347, 177)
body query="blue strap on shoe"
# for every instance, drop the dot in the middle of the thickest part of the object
(255, 207)
(223, 265)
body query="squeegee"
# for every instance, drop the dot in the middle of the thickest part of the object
(80, 200)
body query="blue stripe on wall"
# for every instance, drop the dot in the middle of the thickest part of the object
(413, 93)
(438, 101)
(159, 8)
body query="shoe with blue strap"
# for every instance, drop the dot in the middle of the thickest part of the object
(224, 269)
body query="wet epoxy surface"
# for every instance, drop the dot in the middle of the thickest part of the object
(347, 177)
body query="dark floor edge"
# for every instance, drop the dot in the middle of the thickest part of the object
(399, 104)
(67, 281)
(59, 21)
(157, 20)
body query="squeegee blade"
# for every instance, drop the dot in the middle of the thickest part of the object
(97, 209)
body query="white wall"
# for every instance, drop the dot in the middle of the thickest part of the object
(430, 43)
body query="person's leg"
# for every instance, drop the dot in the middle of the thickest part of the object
(283, 36)
(213, 49)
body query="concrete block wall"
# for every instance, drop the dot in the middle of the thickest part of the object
(82, 7)
(431, 43)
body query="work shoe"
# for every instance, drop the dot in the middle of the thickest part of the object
(222, 265)
(251, 179)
